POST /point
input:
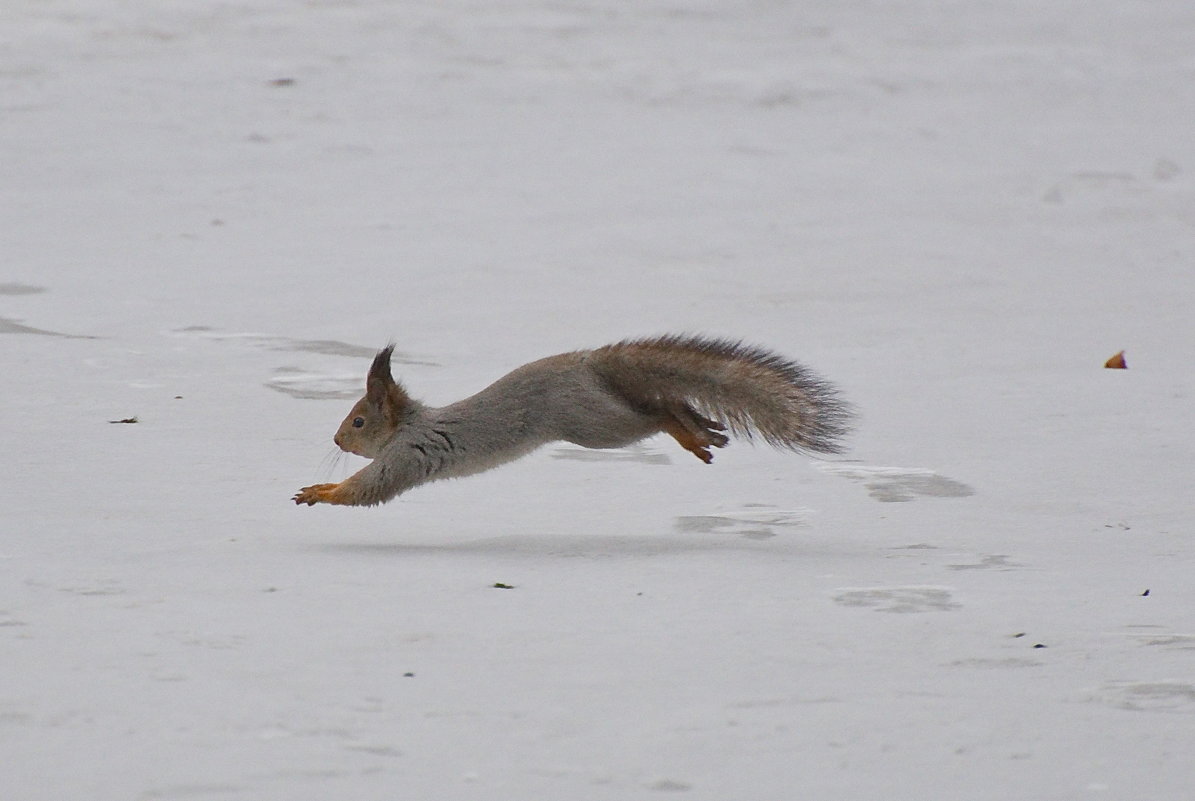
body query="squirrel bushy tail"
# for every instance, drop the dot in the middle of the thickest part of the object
(750, 390)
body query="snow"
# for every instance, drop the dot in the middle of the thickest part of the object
(213, 212)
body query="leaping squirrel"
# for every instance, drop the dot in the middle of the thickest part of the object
(692, 388)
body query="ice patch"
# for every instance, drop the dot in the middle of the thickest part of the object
(316, 386)
(1156, 696)
(191, 791)
(754, 524)
(324, 347)
(899, 599)
(900, 484)
(634, 453)
(995, 561)
(1007, 662)
(670, 786)
(9, 326)
(1169, 642)
(13, 288)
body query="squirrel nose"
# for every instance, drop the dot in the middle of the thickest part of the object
(336, 439)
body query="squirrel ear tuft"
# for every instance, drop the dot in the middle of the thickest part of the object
(380, 369)
(382, 391)
(379, 381)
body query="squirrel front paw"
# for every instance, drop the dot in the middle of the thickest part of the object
(316, 493)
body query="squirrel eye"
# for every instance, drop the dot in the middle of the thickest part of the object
(358, 422)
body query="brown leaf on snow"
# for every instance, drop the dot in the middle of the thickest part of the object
(1117, 362)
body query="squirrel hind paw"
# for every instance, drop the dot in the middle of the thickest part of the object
(695, 433)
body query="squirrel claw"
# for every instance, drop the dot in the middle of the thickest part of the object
(316, 493)
(695, 433)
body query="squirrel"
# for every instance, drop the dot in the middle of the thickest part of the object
(692, 388)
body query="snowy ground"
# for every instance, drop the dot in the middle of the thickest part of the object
(211, 213)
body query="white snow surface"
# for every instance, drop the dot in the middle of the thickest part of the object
(211, 214)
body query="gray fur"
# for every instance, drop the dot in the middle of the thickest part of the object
(691, 387)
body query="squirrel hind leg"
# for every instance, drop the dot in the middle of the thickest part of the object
(695, 433)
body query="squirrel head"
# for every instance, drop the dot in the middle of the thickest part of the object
(374, 419)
